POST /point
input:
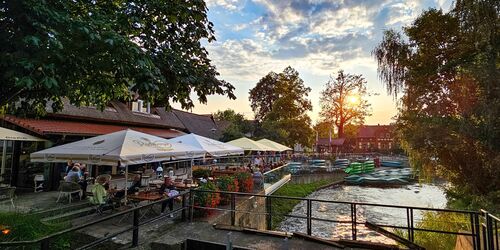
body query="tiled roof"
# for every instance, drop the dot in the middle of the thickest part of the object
(326, 141)
(49, 127)
(198, 124)
(368, 131)
(119, 112)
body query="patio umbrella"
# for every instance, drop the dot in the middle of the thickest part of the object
(279, 147)
(211, 146)
(127, 146)
(250, 145)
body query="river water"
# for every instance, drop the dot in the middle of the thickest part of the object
(418, 195)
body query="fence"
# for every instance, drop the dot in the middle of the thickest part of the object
(483, 226)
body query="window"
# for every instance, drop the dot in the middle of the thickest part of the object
(390, 145)
(140, 106)
(379, 145)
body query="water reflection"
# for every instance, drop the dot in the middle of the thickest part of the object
(424, 195)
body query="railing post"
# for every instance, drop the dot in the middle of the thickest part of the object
(309, 215)
(45, 244)
(135, 232)
(191, 204)
(353, 220)
(233, 209)
(477, 230)
(269, 213)
(488, 241)
(412, 232)
(409, 224)
(183, 213)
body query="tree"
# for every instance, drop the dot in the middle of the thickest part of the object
(92, 52)
(280, 103)
(447, 73)
(237, 126)
(324, 129)
(343, 101)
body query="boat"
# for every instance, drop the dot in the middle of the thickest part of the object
(317, 163)
(360, 168)
(392, 164)
(401, 176)
(294, 167)
(341, 163)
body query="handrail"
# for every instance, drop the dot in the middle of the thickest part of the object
(72, 229)
(339, 202)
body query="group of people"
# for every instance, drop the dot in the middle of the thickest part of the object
(102, 192)
(76, 172)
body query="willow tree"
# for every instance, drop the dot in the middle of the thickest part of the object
(446, 70)
(92, 52)
(343, 101)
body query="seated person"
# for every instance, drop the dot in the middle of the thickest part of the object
(99, 193)
(136, 184)
(168, 189)
(73, 175)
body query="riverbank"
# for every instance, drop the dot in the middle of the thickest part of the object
(282, 207)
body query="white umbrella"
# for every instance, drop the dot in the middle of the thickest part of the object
(250, 145)
(213, 147)
(279, 147)
(127, 146)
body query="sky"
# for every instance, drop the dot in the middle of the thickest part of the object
(316, 37)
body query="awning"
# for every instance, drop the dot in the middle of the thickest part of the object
(211, 146)
(250, 145)
(59, 127)
(12, 135)
(279, 147)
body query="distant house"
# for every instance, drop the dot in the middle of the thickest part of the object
(369, 138)
(374, 138)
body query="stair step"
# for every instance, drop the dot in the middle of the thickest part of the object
(63, 209)
(70, 215)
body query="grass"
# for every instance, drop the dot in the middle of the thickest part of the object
(24, 227)
(282, 207)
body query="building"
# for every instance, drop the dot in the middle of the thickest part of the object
(76, 123)
(369, 138)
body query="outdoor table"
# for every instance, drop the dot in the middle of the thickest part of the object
(146, 196)
(185, 186)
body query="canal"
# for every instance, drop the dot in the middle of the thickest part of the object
(420, 195)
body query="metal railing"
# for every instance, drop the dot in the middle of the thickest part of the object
(45, 242)
(484, 234)
(484, 226)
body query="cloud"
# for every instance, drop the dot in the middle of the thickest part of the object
(227, 4)
(316, 37)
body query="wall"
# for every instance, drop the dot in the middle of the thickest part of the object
(308, 178)
(252, 216)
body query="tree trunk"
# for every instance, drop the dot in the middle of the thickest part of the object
(341, 130)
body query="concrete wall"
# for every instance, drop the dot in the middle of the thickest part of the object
(252, 213)
(308, 178)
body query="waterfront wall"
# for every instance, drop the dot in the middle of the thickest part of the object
(309, 178)
(251, 213)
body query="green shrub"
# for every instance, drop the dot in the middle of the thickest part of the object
(245, 182)
(206, 199)
(229, 184)
(444, 221)
(23, 227)
(201, 172)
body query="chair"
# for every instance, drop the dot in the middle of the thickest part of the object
(69, 188)
(8, 193)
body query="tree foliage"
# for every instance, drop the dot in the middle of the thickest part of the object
(237, 126)
(92, 52)
(280, 104)
(343, 101)
(447, 73)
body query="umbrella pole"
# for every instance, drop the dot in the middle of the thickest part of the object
(4, 154)
(126, 183)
